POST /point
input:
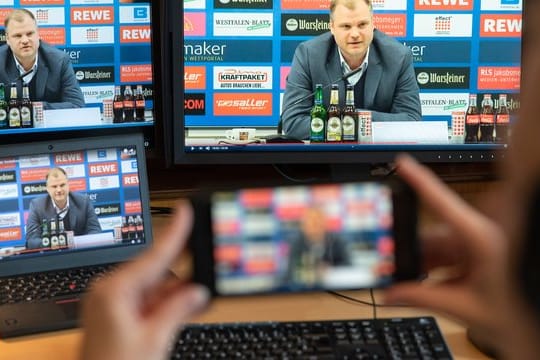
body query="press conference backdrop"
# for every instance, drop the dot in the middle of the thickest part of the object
(237, 53)
(108, 41)
(107, 176)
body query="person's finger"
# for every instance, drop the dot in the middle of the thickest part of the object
(178, 308)
(439, 247)
(456, 301)
(152, 264)
(467, 221)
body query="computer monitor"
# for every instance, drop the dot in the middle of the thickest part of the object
(231, 60)
(108, 43)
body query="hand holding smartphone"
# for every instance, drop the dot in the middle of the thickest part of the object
(327, 236)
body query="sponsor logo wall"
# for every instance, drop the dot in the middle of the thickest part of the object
(108, 177)
(237, 53)
(108, 42)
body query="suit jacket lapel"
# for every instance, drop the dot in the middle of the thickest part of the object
(11, 69)
(41, 77)
(373, 77)
(335, 72)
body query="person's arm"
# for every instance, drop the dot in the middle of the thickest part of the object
(71, 94)
(33, 228)
(476, 282)
(297, 102)
(406, 98)
(92, 222)
(135, 312)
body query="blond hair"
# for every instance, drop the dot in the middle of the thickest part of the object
(18, 15)
(349, 4)
(55, 173)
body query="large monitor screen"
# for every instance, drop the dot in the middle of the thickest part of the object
(94, 66)
(232, 60)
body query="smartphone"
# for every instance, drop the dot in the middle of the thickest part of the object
(293, 238)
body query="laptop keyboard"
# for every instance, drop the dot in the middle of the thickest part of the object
(48, 285)
(385, 338)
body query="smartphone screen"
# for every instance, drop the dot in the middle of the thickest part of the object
(306, 237)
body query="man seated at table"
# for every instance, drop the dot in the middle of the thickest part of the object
(75, 210)
(384, 82)
(50, 76)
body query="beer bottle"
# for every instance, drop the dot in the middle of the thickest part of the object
(62, 236)
(349, 117)
(118, 105)
(502, 121)
(45, 234)
(14, 110)
(139, 227)
(129, 104)
(3, 108)
(131, 229)
(333, 128)
(472, 121)
(487, 119)
(124, 229)
(319, 117)
(27, 118)
(54, 234)
(140, 103)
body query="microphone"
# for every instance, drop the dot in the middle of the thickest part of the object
(310, 95)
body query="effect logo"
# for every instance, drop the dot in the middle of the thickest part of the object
(443, 24)
(92, 35)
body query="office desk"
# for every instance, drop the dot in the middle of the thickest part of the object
(63, 344)
(313, 306)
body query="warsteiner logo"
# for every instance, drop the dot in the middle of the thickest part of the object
(95, 74)
(443, 78)
(304, 24)
(243, 4)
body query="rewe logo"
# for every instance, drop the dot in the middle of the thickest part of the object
(504, 25)
(97, 15)
(443, 4)
(135, 34)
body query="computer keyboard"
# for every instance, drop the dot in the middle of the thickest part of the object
(48, 285)
(385, 338)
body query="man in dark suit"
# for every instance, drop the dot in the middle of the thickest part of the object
(315, 250)
(75, 210)
(51, 78)
(385, 83)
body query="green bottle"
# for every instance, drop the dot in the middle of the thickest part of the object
(3, 108)
(319, 117)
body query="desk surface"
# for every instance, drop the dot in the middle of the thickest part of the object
(311, 306)
(275, 307)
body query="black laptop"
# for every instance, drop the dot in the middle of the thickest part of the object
(41, 286)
